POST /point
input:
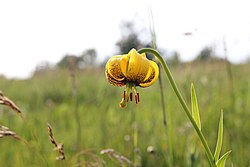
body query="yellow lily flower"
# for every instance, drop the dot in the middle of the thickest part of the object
(132, 69)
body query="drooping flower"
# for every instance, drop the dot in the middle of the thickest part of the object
(131, 70)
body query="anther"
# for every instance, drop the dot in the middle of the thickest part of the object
(131, 96)
(124, 95)
(138, 97)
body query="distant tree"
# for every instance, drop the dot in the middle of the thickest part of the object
(174, 59)
(130, 38)
(64, 62)
(86, 59)
(126, 44)
(205, 54)
(42, 67)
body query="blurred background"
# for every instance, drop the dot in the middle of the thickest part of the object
(52, 62)
(33, 33)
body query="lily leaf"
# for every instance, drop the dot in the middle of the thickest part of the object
(195, 109)
(222, 161)
(219, 138)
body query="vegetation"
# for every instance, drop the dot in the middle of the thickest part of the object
(107, 133)
(71, 108)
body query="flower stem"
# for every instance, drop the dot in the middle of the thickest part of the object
(182, 101)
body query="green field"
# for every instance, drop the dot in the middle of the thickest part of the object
(93, 120)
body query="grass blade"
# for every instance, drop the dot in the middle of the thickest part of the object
(219, 138)
(222, 161)
(195, 109)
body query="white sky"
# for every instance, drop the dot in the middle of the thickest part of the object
(32, 31)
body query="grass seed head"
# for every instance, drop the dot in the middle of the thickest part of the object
(7, 102)
(58, 146)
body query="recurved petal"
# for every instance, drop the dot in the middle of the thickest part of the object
(124, 63)
(152, 75)
(113, 68)
(113, 81)
(138, 67)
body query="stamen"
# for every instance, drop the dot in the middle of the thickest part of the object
(136, 100)
(138, 97)
(124, 95)
(123, 103)
(131, 96)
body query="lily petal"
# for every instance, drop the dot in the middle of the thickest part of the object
(113, 81)
(124, 63)
(113, 68)
(138, 66)
(113, 71)
(152, 75)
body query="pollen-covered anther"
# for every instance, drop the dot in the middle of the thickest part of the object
(138, 97)
(131, 96)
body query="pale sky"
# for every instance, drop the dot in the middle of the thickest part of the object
(32, 31)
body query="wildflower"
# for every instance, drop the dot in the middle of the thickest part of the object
(131, 70)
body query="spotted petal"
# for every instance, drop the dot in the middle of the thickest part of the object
(113, 71)
(152, 75)
(137, 68)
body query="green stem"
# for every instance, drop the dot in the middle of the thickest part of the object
(183, 103)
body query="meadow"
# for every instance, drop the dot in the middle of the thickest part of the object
(85, 116)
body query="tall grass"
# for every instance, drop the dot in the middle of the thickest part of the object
(44, 98)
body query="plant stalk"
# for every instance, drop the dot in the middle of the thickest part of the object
(182, 101)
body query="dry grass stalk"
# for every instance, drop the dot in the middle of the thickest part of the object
(112, 154)
(5, 132)
(7, 102)
(58, 146)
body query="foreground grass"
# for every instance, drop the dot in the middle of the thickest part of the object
(46, 97)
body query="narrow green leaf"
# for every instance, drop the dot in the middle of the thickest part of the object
(195, 109)
(222, 161)
(219, 138)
